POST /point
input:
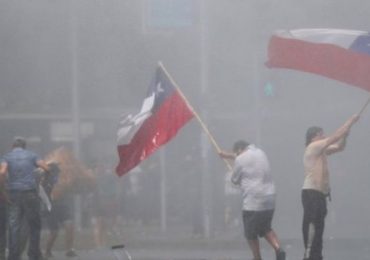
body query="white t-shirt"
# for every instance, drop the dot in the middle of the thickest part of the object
(252, 173)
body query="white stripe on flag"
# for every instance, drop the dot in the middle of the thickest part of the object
(129, 125)
(342, 38)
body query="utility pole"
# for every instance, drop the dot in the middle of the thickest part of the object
(74, 79)
(75, 98)
(205, 146)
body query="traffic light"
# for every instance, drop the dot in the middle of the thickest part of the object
(269, 90)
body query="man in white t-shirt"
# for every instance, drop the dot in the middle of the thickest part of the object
(252, 174)
(316, 187)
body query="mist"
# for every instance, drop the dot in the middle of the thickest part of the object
(88, 62)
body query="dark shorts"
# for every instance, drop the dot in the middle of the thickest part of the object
(257, 223)
(61, 212)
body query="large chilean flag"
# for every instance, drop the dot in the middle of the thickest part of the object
(343, 55)
(163, 113)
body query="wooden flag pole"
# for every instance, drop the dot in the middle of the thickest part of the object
(203, 125)
(364, 106)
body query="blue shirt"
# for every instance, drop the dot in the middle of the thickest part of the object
(21, 166)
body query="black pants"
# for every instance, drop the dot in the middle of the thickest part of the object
(314, 213)
(2, 229)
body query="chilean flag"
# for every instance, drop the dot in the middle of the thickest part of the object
(343, 55)
(163, 112)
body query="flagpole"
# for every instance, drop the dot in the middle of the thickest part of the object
(163, 190)
(364, 106)
(203, 125)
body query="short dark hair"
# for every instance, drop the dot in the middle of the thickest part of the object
(311, 133)
(19, 142)
(240, 145)
(53, 167)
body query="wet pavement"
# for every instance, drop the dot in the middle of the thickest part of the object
(342, 249)
(149, 243)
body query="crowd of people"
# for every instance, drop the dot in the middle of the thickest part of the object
(31, 198)
(26, 179)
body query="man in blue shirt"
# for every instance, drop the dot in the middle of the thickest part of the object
(21, 186)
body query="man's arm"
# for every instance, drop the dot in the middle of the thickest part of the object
(236, 176)
(3, 171)
(337, 147)
(42, 164)
(227, 155)
(341, 132)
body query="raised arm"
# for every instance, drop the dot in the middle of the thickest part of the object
(338, 146)
(42, 164)
(339, 136)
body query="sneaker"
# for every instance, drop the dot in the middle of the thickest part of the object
(48, 255)
(280, 255)
(71, 253)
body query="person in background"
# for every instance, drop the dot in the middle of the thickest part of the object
(61, 216)
(24, 202)
(107, 206)
(251, 172)
(316, 188)
(3, 225)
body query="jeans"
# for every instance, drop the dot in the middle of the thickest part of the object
(24, 206)
(2, 229)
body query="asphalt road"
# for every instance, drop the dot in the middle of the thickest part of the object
(333, 250)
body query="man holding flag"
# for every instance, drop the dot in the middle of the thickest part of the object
(252, 174)
(316, 183)
(339, 54)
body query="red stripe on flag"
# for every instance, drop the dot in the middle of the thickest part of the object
(157, 130)
(324, 59)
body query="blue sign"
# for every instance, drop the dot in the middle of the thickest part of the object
(170, 13)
